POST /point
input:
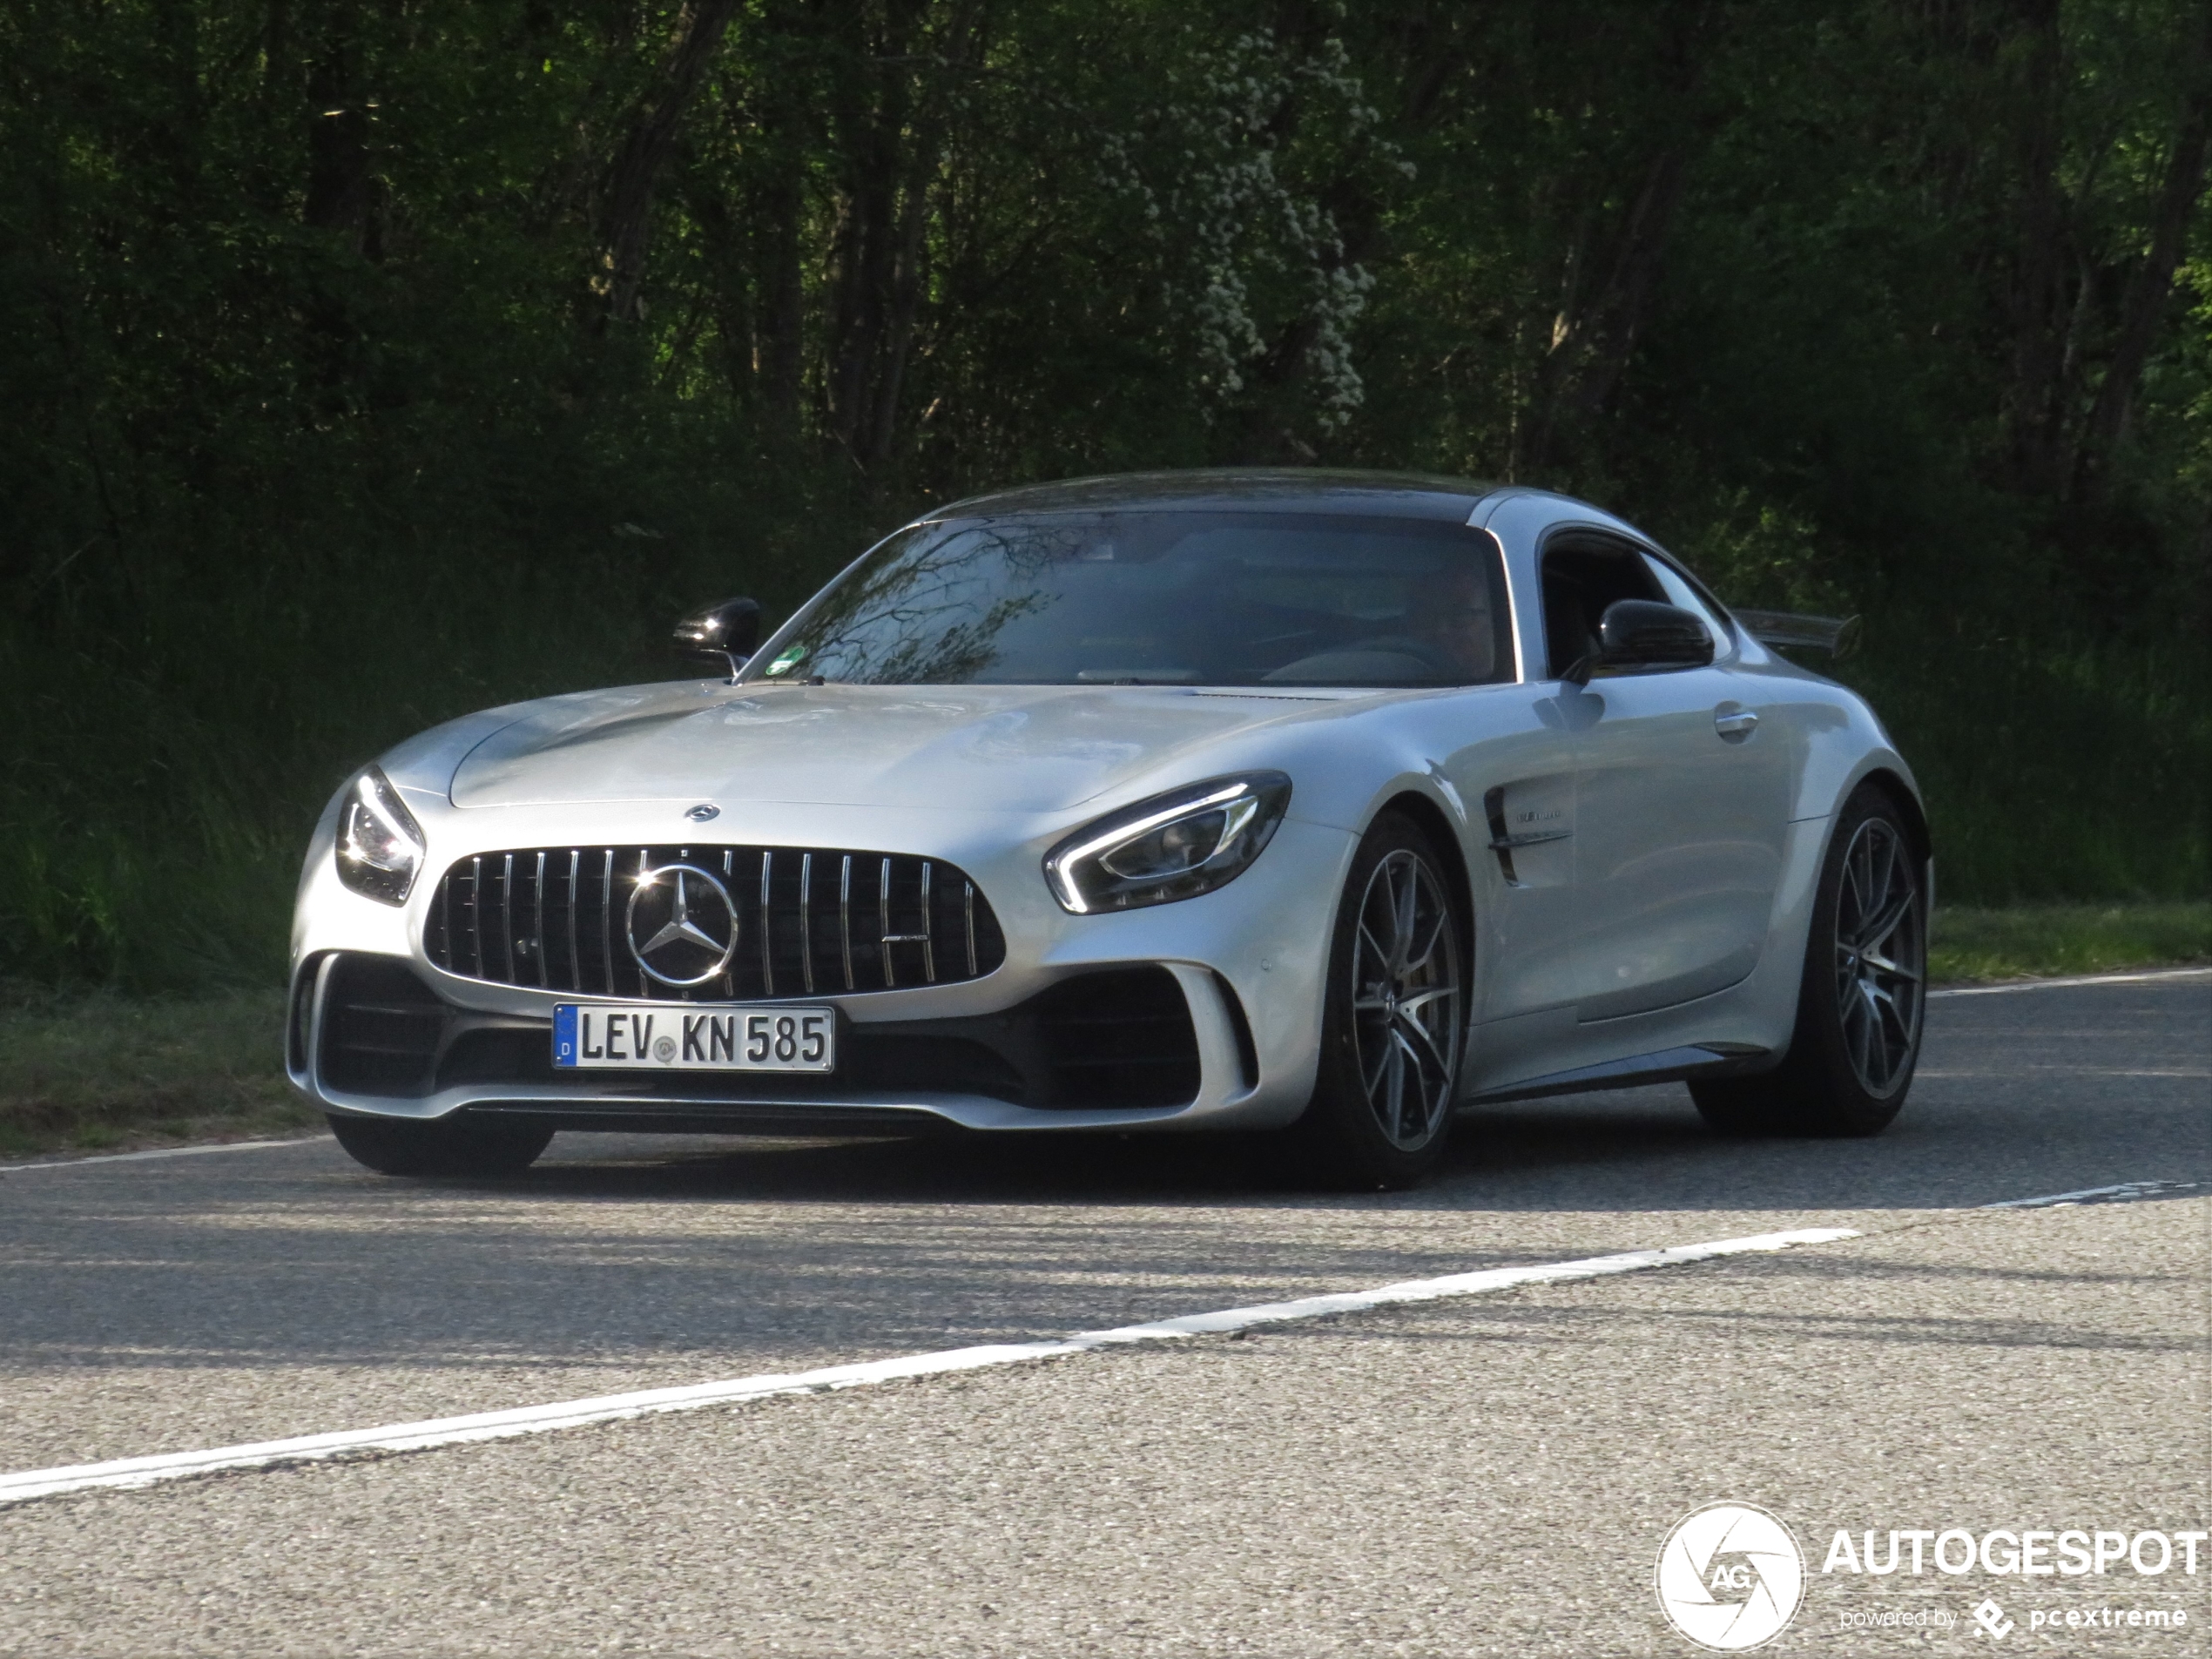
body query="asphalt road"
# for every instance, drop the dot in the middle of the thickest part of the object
(1487, 1475)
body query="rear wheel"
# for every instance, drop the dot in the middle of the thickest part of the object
(1382, 1111)
(440, 1146)
(1858, 1035)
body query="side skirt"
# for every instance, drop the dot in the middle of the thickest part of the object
(1664, 1066)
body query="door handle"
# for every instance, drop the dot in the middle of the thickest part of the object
(1735, 724)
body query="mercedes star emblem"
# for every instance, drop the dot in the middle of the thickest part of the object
(683, 926)
(705, 811)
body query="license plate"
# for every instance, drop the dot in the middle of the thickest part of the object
(681, 1036)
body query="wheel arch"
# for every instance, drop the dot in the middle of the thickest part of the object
(1434, 823)
(1898, 789)
(1907, 800)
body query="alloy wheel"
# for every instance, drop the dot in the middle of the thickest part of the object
(1881, 956)
(1406, 1000)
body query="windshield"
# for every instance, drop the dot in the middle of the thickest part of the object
(1159, 598)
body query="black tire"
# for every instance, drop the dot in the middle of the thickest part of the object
(465, 1146)
(1859, 1004)
(1381, 1112)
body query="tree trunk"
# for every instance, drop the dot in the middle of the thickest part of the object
(905, 303)
(2035, 402)
(785, 299)
(1592, 344)
(339, 200)
(882, 222)
(626, 220)
(2144, 304)
(338, 183)
(1593, 340)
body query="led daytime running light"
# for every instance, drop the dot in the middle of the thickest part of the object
(380, 845)
(1122, 836)
(1249, 806)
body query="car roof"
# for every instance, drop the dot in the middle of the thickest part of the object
(1305, 490)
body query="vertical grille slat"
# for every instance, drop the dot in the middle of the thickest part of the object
(476, 915)
(728, 879)
(606, 922)
(883, 916)
(506, 912)
(845, 917)
(538, 895)
(806, 921)
(576, 962)
(437, 927)
(767, 926)
(928, 929)
(968, 918)
(561, 916)
(646, 987)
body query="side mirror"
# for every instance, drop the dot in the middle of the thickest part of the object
(729, 632)
(1643, 634)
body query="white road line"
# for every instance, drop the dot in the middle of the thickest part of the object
(2125, 1189)
(158, 1152)
(2083, 979)
(536, 1420)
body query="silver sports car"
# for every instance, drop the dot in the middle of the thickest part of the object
(1321, 804)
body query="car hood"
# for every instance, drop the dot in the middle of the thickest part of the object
(1010, 748)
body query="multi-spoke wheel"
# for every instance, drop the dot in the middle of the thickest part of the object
(1405, 999)
(1880, 956)
(1857, 1034)
(1382, 1102)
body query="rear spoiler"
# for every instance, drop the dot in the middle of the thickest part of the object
(1838, 636)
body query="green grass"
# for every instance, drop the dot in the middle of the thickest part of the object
(106, 1073)
(109, 1073)
(2027, 940)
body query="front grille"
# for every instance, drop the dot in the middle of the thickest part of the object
(811, 921)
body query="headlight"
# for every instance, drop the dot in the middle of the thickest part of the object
(1172, 846)
(380, 845)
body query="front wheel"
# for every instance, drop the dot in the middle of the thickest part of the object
(1858, 1035)
(1382, 1111)
(440, 1146)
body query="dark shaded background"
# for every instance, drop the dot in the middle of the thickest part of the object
(364, 361)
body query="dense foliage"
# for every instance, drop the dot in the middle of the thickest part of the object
(365, 360)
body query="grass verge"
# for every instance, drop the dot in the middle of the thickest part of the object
(108, 1073)
(111, 1074)
(2035, 941)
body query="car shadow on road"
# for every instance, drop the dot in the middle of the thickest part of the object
(1643, 1149)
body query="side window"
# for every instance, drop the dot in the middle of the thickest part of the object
(1679, 592)
(1581, 576)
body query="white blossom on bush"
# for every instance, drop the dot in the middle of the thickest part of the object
(1202, 167)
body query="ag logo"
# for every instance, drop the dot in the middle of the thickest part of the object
(682, 926)
(1730, 1577)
